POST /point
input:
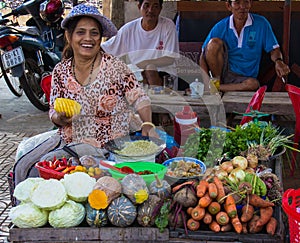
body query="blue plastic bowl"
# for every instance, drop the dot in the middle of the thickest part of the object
(172, 180)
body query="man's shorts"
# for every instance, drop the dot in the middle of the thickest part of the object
(229, 77)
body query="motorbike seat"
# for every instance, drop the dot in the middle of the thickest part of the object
(30, 30)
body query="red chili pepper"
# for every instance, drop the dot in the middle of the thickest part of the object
(61, 167)
(68, 169)
(56, 162)
(52, 165)
(54, 158)
(65, 161)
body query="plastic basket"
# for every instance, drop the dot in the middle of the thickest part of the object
(290, 204)
(47, 173)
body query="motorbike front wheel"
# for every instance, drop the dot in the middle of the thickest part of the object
(30, 82)
(13, 83)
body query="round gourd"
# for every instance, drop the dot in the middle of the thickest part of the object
(161, 188)
(145, 211)
(110, 186)
(121, 212)
(94, 217)
(135, 188)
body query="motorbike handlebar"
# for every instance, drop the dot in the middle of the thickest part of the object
(23, 8)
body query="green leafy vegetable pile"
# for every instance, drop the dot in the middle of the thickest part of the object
(209, 144)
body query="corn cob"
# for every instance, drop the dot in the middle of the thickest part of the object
(70, 107)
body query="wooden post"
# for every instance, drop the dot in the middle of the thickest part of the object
(114, 9)
(279, 85)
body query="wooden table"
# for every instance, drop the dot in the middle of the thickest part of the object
(174, 102)
(277, 103)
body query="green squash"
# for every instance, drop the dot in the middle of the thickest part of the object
(121, 212)
(161, 188)
(94, 217)
(134, 187)
(145, 211)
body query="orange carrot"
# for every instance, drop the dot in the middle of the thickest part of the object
(176, 188)
(205, 200)
(189, 210)
(244, 230)
(230, 206)
(237, 225)
(226, 228)
(207, 219)
(214, 208)
(252, 225)
(202, 188)
(247, 213)
(193, 224)
(198, 213)
(214, 226)
(257, 201)
(220, 187)
(271, 226)
(265, 216)
(212, 190)
(222, 218)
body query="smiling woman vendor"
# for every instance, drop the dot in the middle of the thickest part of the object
(101, 83)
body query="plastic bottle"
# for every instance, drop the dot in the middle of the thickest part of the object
(197, 88)
(185, 123)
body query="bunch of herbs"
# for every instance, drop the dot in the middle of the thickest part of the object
(208, 145)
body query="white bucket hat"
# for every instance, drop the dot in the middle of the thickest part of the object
(109, 29)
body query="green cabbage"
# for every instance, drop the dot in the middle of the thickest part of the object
(49, 194)
(23, 189)
(70, 214)
(28, 215)
(78, 185)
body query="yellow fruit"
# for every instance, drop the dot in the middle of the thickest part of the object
(70, 107)
(98, 171)
(91, 174)
(79, 168)
(91, 169)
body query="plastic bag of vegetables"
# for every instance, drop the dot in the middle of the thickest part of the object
(78, 186)
(70, 214)
(49, 194)
(28, 215)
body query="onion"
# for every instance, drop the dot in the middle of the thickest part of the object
(221, 174)
(240, 162)
(227, 166)
(252, 160)
(237, 175)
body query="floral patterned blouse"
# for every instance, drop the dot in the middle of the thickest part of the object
(105, 103)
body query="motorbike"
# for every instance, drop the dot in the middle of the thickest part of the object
(29, 53)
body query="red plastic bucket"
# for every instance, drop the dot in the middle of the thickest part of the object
(291, 206)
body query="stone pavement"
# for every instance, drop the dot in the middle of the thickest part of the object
(8, 146)
(19, 119)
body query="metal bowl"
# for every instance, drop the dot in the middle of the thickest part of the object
(114, 147)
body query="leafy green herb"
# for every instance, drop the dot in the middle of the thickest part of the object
(161, 221)
(208, 145)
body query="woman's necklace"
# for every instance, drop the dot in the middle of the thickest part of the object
(91, 72)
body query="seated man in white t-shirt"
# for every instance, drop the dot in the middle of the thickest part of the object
(149, 42)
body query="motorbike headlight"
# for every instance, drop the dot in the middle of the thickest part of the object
(51, 10)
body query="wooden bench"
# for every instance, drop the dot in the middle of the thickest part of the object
(277, 103)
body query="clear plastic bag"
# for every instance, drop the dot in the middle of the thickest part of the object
(28, 144)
